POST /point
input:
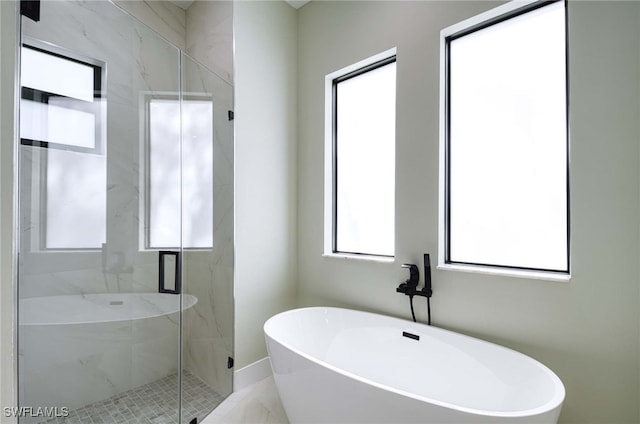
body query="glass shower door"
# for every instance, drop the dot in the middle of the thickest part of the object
(100, 266)
(207, 327)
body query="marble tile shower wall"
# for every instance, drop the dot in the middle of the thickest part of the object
(165, 18)
(121, 356)
(209, 36)
(137, 62)
(76, 365)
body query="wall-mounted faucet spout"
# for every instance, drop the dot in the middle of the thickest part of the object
(409, 287)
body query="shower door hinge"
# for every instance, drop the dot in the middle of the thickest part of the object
(229, 362)
(30, 9)
(231, 117)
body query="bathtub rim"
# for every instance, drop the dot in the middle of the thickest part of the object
(192, 301)
(556, 400)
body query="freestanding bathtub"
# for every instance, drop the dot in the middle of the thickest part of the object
(100, 308)
(336, 365)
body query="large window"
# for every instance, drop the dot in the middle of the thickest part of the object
(505, 139)
(62, 133)
(363, 147)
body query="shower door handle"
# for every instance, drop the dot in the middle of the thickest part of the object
(169, 273)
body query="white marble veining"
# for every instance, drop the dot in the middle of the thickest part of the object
(209, 36)
(164, 17)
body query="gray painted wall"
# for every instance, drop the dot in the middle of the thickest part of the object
(586, 330)
(265, 99)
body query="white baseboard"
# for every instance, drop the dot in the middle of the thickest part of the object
(251, 374)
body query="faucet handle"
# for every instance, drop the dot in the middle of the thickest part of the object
(414, 275)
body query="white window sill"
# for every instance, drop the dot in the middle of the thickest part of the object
(536, 275)
(366, 258)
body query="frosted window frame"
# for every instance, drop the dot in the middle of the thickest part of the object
(181, 134)
(61, 82)
(51, 113)
(499, 15)
(372, 64)
(39, 189)
(97, 106)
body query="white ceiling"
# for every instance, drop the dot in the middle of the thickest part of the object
(184, 4)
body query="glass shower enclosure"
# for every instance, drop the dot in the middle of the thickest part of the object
(125, 263)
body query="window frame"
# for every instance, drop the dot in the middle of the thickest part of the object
(145, 153)
(495, 16)
(37, 242)
(336, 78)
(97, 108)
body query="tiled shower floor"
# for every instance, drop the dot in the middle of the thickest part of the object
(153, 403)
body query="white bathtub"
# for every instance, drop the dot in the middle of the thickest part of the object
(336, 365)
(99, 308)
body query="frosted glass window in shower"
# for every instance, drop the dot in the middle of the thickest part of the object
(507, 143)
(364, 160)
(166, 195)
(62, 110)
(52, 73)
(163, 210)
(57, 124)
(197, 173)
(61, 102)
(76, 200)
